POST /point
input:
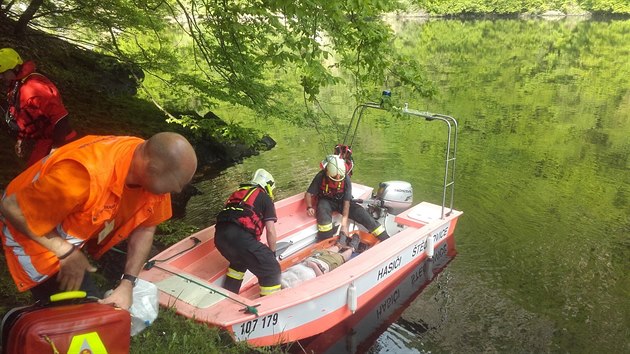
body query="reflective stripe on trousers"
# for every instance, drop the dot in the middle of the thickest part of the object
(235, 274)
(268, 290)
(379, 230)
(324, 228)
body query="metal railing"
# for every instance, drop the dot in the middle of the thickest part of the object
(448, 190)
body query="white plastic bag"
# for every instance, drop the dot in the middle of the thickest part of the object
(145, 307)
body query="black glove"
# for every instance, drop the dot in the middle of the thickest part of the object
(355, 242)
(343, 238)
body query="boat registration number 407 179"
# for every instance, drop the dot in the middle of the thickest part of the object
(266, 321)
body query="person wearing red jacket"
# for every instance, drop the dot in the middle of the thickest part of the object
(35, 111)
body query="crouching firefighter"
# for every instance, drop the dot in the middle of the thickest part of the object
(240, 224)
(333, 189)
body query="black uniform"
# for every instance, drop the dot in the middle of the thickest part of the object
(237, 241)
(332, 200)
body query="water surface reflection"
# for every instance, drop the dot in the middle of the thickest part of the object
(542, 177)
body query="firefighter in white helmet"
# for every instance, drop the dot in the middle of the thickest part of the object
(333, 189)
(240, 224)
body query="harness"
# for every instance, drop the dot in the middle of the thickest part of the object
(14, 108)
(331, 189)
(239, 209)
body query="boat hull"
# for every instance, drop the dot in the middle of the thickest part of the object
(190, 282)
(361, 330)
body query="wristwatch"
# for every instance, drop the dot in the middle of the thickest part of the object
(129, 277)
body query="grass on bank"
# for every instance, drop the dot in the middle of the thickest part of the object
(172, 333)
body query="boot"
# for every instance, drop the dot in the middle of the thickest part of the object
(354, 243)
(343, 239)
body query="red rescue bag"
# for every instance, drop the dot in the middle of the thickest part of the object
(70, 323)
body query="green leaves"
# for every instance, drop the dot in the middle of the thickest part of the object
(196, 54)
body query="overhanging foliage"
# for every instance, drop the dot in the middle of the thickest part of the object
(197, 53)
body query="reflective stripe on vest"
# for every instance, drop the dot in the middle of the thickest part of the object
(23, 259)
(73, 240)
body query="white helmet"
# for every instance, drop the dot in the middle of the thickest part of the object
(335, 168)
(265, 180)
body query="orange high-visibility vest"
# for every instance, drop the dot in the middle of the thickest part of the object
(107, 160)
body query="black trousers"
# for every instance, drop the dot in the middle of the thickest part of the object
(325, 208)
(244, 253)
(42, 292)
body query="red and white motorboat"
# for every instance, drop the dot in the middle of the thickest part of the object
(190, 273)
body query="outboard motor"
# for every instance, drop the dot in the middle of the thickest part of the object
(396, 196)
(391, 199)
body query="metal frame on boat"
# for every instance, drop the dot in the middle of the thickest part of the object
(451, 140)
(191, 275)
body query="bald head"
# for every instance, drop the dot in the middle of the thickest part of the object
(168, 162)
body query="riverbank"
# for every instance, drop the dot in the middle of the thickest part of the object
(96, 90)
(100, 95)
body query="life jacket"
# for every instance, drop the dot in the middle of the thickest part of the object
(332, 189)
(239, 209)
(14, 107)
(107, 160)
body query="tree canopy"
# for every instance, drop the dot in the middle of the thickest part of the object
(454, 7)
(197, 53)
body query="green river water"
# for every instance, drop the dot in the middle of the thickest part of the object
(542, 175)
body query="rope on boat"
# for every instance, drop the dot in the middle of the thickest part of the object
(248, 308)
(151, 263)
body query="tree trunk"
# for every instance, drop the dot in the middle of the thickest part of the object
(27, 16)
(4, 8)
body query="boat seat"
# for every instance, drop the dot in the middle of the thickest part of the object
(420, 215)
(292, 216)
